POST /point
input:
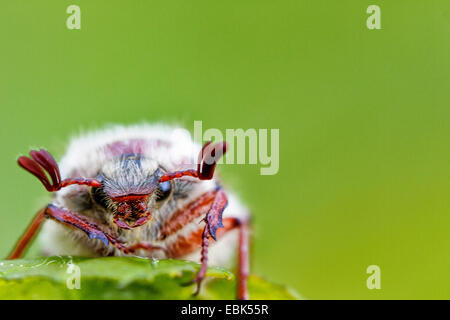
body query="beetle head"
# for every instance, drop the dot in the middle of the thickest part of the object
(131, 186)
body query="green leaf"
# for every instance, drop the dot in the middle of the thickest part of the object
(122, 278)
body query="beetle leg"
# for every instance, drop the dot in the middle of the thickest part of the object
(196, 208)
(213, 221)
(142, 245)
(68, 218)
(28, 236)
(73, 219)
(93, 232)
(203, 260)
(243, 256)
(189, 243)
(243, 260)
(213, 218)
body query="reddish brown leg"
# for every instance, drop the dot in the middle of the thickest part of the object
(197, 208)
(142, 245)
(203, 260)
(70, 218)
(213, 221)
(28, 236)
(188, 244)
(243, 260)
(212, 202)
(243, 253)
(65, 217)
(73, 219)
(94, 232)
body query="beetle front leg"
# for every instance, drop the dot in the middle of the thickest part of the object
(68, 218)
(65, 217)
(94, 232)
(213, 221)
(203, 260)
(73, 219)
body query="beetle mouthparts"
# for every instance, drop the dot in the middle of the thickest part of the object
(128, 223)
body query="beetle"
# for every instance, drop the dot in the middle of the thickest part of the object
(135, 190)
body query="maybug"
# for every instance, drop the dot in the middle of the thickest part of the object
(137, 191)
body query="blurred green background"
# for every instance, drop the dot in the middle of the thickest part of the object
(363, 118)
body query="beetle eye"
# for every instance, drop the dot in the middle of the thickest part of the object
(165, 189)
